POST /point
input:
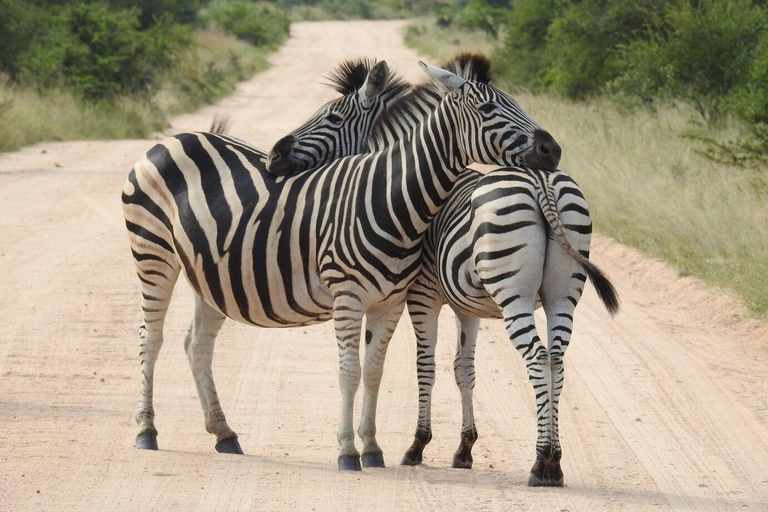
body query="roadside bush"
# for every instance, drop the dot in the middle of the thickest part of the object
(580, 51)
(259, 24)
(18, 25)
(101, 53)
(479, 15)
(152, 11)
(704, 55)
(520, 57)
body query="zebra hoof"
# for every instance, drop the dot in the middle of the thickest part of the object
(146, 441)
(229, 445)
(373, 460)
(462, 461)
(349, 463)
(546, 475)
(414, 455)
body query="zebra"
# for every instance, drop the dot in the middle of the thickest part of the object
(297, 250)
(501, 240)
(450, 275)
(366, 87)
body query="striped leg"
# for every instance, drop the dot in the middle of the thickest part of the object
(547, 471)
(199, 346)
(521, 330)
(348, 319)
(424, 310)
(380, 325)
(464, 371)
(158, 275)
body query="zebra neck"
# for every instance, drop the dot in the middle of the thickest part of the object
(422, 170)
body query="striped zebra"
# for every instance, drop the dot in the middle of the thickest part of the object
(307, 248)
(502, 240)
(165, 175)
(489, 242)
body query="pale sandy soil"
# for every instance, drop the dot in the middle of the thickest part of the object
(665, 407)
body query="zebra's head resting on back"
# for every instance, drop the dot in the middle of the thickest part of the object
(497, 130)
(340, 127)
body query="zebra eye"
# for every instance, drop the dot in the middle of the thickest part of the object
(334, 119)
(487, 108)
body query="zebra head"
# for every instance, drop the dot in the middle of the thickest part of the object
(341, 126)
(495, 129)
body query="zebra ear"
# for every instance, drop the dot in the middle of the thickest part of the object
(447, 81)
(377, 80)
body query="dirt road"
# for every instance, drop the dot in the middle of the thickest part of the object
(665, 407)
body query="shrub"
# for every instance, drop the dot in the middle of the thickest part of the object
(101, 53)
(521, 55)
(701, 54)
(475, 15)
(260, 24)
(581, 43)
(18, 25)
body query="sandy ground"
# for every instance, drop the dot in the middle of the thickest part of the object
(665, 407)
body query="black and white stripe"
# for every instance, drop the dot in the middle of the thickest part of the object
(505, 213)
(502, 240)
(340, 242)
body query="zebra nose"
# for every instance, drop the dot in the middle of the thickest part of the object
(546, 152)
(277, 162)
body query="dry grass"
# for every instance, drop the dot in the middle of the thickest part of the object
(442, 44)
(648, 188)
(204, 73)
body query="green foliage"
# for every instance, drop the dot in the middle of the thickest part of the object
(101, 53)
(152, 11)
(259, 24)
(521, 55)
(581, 42)
(475, 15)
(203, 72)
(18, 24)
(703, 55)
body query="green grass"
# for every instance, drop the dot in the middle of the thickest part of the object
(649, 188)
(207, 71)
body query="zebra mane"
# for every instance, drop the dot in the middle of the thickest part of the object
(408, 109)
(350, 75)
(471, 66)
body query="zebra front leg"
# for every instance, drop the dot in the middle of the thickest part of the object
(521, 330)
(348, 319)
(379, 327)
(424, 311)
(158, 277)
(464, 371)
(199, 345)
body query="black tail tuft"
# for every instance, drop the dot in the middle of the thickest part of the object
(603, 286)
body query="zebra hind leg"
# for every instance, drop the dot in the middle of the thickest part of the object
(547, 470)
(380, 325)
(199, 346)
(424, 311)
(464, 372)
(521, 329)
(158, 276)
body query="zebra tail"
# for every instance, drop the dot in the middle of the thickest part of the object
(605, 289)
